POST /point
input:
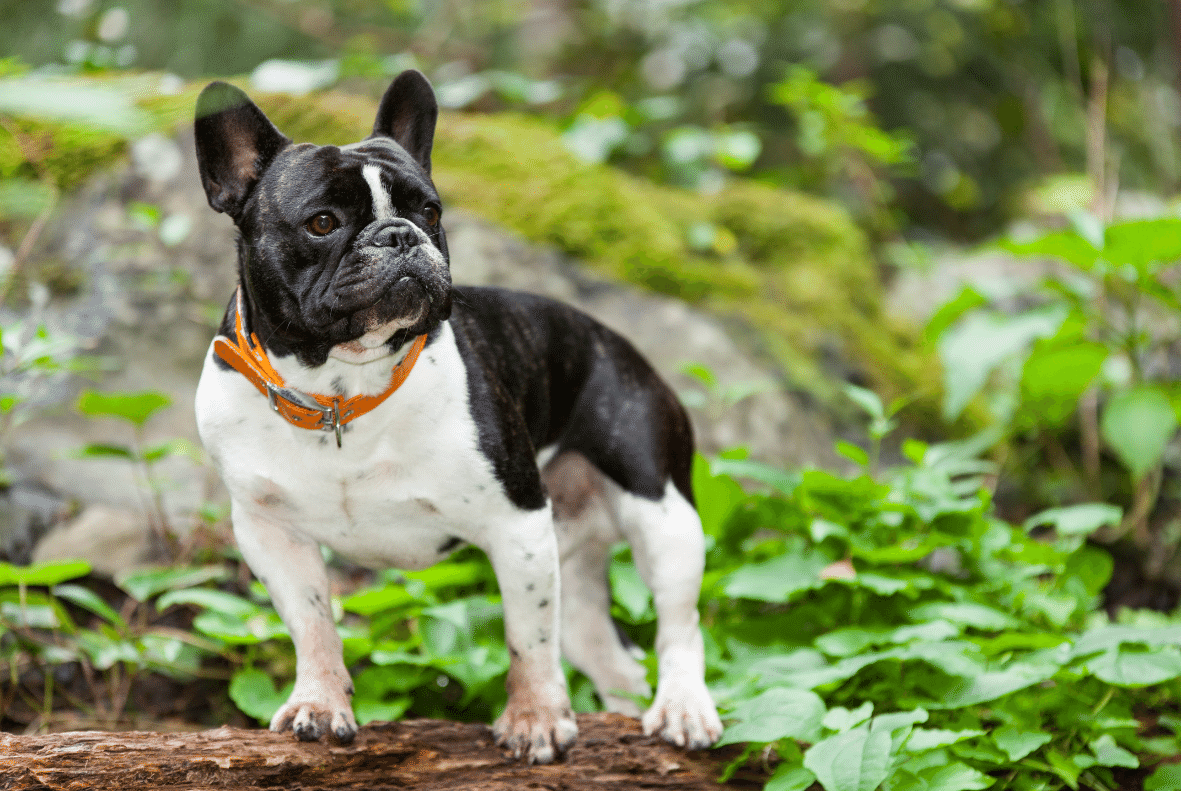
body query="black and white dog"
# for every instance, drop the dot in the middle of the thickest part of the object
(355, 399)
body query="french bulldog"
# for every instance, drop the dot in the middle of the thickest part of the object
(355, 399)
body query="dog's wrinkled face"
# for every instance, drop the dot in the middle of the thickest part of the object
(343, 252)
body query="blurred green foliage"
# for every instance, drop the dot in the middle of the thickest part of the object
(990, 96)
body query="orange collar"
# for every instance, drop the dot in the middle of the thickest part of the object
(305, 410)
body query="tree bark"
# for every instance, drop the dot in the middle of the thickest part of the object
(610, 755)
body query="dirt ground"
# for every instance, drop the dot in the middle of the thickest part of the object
(431, 755)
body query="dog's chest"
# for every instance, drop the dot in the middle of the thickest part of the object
(408, 480)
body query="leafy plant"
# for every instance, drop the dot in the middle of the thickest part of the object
(1091, 343)
(843, 148)
(52, 627)
(892, 632)
(136, 408)
(33, 362)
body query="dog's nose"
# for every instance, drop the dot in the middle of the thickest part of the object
(398, 234)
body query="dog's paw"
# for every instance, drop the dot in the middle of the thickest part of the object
(536, 734)
(311, 717)
(684, 714)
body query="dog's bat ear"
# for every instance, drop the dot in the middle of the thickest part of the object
(407, 113)
(235, 144)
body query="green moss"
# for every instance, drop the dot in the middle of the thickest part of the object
(797, 268)
(67, 154)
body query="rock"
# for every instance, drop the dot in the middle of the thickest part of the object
(111, 540)
(27, 512)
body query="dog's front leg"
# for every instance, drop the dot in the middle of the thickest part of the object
(537, 724)
(292, 569)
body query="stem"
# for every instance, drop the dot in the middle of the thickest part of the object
(1088, 419)
(47, 697)
(1103, 701)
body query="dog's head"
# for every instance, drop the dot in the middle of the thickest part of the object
(342, 248)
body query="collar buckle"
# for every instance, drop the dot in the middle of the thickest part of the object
(329, 415)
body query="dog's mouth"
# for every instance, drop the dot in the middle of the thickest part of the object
(403, 308)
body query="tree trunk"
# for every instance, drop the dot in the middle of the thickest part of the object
(610, 755)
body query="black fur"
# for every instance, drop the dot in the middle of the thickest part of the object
(542, 373)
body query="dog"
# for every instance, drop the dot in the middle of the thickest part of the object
(354, 398)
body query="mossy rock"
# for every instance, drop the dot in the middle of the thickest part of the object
(793, 267)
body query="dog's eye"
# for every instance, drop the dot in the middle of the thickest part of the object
(432, 216)
(322, 224)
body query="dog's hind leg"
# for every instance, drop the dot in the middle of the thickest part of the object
(668, 547)
(586, 531)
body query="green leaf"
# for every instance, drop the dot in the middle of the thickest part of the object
(951, 311)
(717, 496)
(628, 590)
(922, 739)
(89, 600)
(215, 600)
(1125, 667)
(1075, 520)
(49, 573)
(790, 777)
(856, 760)
(957, 777)
(971, 350)
(775, 714)
(1138, 424)
(143, 584)
(778, 480)
(1143, 243)
(997, 683)
(853, 453)
(379, 598)
(841, 719)
(779, 579)
(1167, 777)
(868, 400)
(701, 373)
(367, 711)
(1054, 377)
(1017, 743)
(1108, 753)
(1066, 245)
(105, 651)
(977, 616)
(178, 446)
(102, 450)
(253, 691)
(135, 408)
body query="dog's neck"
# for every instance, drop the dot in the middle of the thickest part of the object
(337, 377)
(348, 370)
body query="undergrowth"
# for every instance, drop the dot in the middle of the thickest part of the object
(878, 630)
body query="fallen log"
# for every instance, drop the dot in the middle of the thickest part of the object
(610, 754)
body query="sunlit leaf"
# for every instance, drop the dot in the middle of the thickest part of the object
(856, 760)
(135, 408)
(1138, 424)
(1017, 743)
(253, 691)
(775, 714)
(1081, 519)
(48, 573)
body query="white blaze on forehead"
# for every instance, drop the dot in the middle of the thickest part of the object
(382, 208)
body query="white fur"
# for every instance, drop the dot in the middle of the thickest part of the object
(383, 209)
(668, 548)
(408, 478)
